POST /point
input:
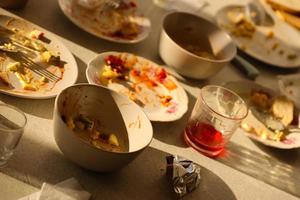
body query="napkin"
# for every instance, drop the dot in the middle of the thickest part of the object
(181, 5)
(69, 189)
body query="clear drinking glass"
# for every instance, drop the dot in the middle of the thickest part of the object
(12, 123)
(216, 115)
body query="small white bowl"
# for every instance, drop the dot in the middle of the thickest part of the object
(115, 112)
(183, 29)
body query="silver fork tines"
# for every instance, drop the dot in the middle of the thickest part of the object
(36, 68)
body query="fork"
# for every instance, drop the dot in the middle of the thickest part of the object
(36, 68)
(29, 52)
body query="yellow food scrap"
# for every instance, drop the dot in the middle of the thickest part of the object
(235, 18)
(247, 127)
(263, 134)
(283, 109)
(36, 34)
(27, 86)
(9, 46)
(243, 27)
(43, 80)
(48, 56)
(279, 15)
(108, 73)
(25, 81)
(27, 43)
(70, 123)
(270, 34)
(113, 140)
(95, 135)
(169, 84)
(14, 67)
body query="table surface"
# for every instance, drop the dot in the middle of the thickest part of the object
(37, 158)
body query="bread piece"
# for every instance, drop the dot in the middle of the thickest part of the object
(291, 6)
(283, 109)
(289, 18)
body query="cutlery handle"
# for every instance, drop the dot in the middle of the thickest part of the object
(246, 66)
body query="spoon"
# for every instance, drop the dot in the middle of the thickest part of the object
(257, 14)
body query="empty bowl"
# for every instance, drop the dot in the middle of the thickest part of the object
(86, 115)
(194, 46)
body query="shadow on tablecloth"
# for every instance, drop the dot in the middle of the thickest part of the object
(172, 132)
(144, 178)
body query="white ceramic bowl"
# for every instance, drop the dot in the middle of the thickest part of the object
(115, 112)
(182, 29)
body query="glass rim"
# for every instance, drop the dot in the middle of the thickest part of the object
(232, 92)
(20, 112)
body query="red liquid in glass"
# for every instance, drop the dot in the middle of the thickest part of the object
(205, 136)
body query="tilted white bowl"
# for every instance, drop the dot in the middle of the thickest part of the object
(117, 114)
(183, 28)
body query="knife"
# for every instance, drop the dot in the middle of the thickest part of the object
(247, 67)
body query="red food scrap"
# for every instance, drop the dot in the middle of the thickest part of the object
(161, 74)
(115, 63)
(132, 4)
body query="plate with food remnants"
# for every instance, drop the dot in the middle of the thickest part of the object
(273, 42)
(147, 84)
(117, 21)
(273, 119)
(287, 11)
(34, 64)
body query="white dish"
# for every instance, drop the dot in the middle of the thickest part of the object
(153, 107)
(87, 20)
(199, 36)
(267, 44)
(289, 85)
(69, 76)
(244, 88)
(116, 113)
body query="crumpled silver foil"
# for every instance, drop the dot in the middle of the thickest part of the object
(184, 174)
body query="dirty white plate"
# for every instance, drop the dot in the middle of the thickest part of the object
(244, 88)
(151, 97)
(276, 45)
(88, 20)
(69, 76)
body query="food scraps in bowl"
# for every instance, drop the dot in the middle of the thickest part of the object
(241, 25)
(91, 131)
(198, 50)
